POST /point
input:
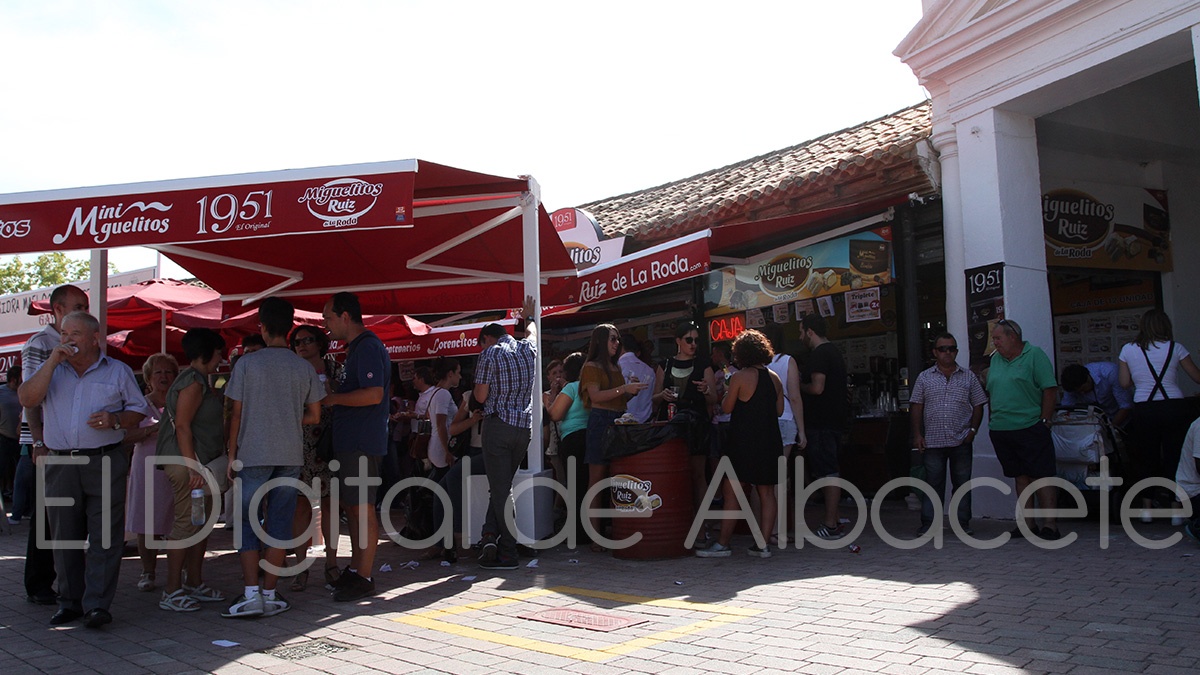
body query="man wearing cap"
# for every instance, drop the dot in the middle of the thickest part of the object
(88, 400)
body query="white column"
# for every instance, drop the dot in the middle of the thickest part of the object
(1000, 201)
(1000, 189)
(953, 247)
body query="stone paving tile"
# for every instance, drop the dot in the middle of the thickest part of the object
(820, 611)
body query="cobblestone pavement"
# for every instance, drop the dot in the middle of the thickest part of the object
(1015, 608)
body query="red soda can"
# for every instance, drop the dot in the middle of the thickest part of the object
(670, 411)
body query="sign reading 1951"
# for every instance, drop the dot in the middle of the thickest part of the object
(228, 212)
(985, 282)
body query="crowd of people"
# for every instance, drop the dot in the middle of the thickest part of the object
(293, 431)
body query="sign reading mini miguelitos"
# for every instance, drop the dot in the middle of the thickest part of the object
(173, 212)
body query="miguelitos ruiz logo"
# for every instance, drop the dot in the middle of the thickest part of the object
(783, 273)
(1072, 218)
(341, 202)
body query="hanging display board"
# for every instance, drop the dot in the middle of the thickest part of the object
(854, 262)
(985, 306)
(1106, 226)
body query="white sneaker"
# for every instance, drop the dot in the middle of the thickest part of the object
(145, 582)
(244, 606)
(275, 605)
(714, 551)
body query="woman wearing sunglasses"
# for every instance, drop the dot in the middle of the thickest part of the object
(686, 380)
(312, 344)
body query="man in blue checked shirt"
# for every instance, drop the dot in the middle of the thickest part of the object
(504, 380)
(1097, 384)
(947, 407)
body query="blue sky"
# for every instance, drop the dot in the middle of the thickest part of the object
(592, 99)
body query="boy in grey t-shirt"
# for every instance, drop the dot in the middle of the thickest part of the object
(274, 393)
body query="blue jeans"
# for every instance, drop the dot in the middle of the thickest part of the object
(277, 506)
(504, 448)
(935, 474)
(23, 488)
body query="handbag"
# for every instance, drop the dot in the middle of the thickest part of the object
(418, 445)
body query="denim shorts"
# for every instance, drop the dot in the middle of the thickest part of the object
(599, 420)
(788, 431)
(277, 507)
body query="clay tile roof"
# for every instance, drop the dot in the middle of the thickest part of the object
(802, 175)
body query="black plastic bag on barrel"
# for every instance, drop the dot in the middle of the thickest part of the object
(622, 440)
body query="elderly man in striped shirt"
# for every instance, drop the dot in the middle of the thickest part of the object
(947, 407)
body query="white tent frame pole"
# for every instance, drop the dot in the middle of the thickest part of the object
(414, 263)
(475, 204)
(531, 250)
(99, 300)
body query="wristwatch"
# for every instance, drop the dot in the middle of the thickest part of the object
(39, 445)
(117, 424)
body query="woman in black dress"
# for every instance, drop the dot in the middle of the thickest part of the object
(755, 401)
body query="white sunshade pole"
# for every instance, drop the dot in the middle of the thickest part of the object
(531, 253)
(99, 298)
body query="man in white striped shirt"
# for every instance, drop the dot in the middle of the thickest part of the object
(947, 408)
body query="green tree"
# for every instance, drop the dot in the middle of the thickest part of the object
(48, 269)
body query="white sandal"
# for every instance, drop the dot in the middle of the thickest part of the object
(179, 601)
(203, 593)
(146, 581)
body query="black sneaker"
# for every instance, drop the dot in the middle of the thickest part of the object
(488, 550)
(500, 563)
(353, 587)
(342, 579)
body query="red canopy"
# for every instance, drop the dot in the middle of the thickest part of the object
(407, 236)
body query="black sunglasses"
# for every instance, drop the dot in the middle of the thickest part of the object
(1010, 326)
(944, 349)
(304, 341)
(689, 339)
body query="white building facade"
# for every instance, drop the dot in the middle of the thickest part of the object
(1091, 100)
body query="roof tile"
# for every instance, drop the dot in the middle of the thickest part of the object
(797, 172)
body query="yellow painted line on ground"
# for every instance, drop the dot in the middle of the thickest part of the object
(431, 620)
(656, 602)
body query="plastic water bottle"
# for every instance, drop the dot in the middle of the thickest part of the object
(197, 506)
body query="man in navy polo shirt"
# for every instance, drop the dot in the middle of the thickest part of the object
(360, 437)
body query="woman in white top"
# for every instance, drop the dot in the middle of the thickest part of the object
(1161, 414)
(436, 404)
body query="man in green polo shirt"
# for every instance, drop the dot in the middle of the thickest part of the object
(1023, 390)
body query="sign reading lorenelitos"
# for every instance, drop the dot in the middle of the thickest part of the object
(212, 209)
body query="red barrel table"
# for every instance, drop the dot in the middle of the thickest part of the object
(657, 485)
